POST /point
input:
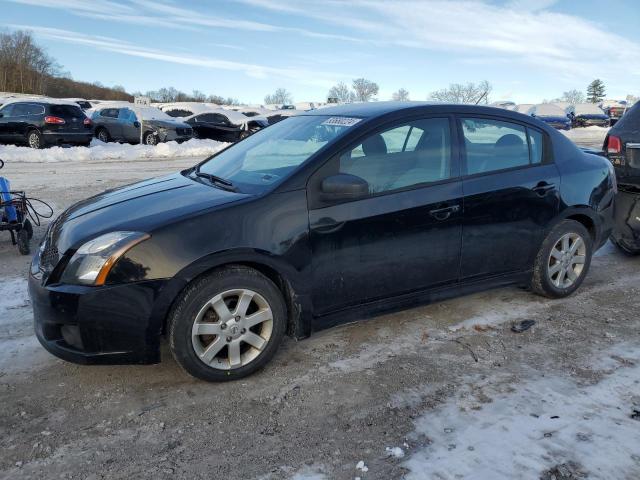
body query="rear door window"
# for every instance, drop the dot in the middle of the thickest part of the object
(65, 111)
(109, 113)
(20, 110)
(493, 145)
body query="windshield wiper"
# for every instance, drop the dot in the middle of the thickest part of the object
(219, 181)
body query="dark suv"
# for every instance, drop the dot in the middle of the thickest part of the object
(622, 146)
(40, 124)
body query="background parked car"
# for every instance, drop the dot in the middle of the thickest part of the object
(615, 109)
(41, 123)
(586, 115)
(84, 104)
(122, 124)
(622, 146)
(552, 115)
(225, 125)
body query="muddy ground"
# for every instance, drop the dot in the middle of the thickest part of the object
(387, 395)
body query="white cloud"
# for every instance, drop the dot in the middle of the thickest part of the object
(301, 76)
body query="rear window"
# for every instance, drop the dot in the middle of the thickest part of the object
(65, 111)
(630, 120)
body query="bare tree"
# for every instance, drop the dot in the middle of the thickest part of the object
(342, 92)
(573, 96)
(280, 97)
(364, 89)
(401, 95)
(469, 93)
(632, 99)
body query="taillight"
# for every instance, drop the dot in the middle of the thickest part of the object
(614, 145)
(54, 120)
(87, 121)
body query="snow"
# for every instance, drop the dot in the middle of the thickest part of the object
(100, 151)
(362, 467)
(548, 110)
(530, 427)
(396, 452)
(587, 109)
(588, 136)
(13, 293)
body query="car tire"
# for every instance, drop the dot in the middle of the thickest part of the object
(232, 346)
(35, 140)
(102, 134)
(150, 138)
(630, 251)
(22, 239)
(563, 260)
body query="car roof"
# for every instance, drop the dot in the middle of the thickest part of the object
(376, 109)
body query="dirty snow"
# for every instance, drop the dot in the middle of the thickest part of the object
(506, 431)
(396, 452)
(100, 151)
(588, 136)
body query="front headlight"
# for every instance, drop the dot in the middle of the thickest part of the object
(92, 262)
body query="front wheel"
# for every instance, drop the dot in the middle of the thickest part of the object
(563, 260)
(150, 138)
(227, 325)
(103, 135)
(624, 248)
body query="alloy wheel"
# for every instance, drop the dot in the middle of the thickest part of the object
(566, 260)
(34, 140)
(102, 136)
(232, 329)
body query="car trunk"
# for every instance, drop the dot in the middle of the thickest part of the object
(66, 119)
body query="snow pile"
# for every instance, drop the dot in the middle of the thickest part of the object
(13, 293)
(529, 428)
(588, 136)
(100, 151)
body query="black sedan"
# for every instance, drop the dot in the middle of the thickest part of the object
(325, 217)
(225, 126)
(622, 146)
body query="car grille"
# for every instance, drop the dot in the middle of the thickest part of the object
(184, 131)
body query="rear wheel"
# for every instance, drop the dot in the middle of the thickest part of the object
(34, 139)
(227, 325)
(563, 260)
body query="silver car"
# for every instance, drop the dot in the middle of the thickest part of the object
(122, 124)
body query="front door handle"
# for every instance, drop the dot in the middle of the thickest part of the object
(543, 188)
(445, 212)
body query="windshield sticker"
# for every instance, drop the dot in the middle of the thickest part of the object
(341, 121)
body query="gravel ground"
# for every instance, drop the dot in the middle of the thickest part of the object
(408, 395)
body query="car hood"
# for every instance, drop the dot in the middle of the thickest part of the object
(143, 206)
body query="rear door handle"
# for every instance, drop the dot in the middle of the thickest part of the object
(445, 212)
(543, 188)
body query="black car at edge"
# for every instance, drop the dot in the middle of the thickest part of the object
(40, 124)
(622, 146)
(325, 217)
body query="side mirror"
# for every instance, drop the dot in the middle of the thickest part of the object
(1, 115)
(136, 124)
(343, 187)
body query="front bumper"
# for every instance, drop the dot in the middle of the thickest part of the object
(73, 138)
(97, 325)
(626, 231)
(172, 136)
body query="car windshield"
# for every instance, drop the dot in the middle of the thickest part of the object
(268, 156)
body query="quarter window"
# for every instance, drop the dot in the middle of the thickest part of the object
(410, 154)
(492, 145)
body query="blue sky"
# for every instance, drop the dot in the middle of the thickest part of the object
(528, 49)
